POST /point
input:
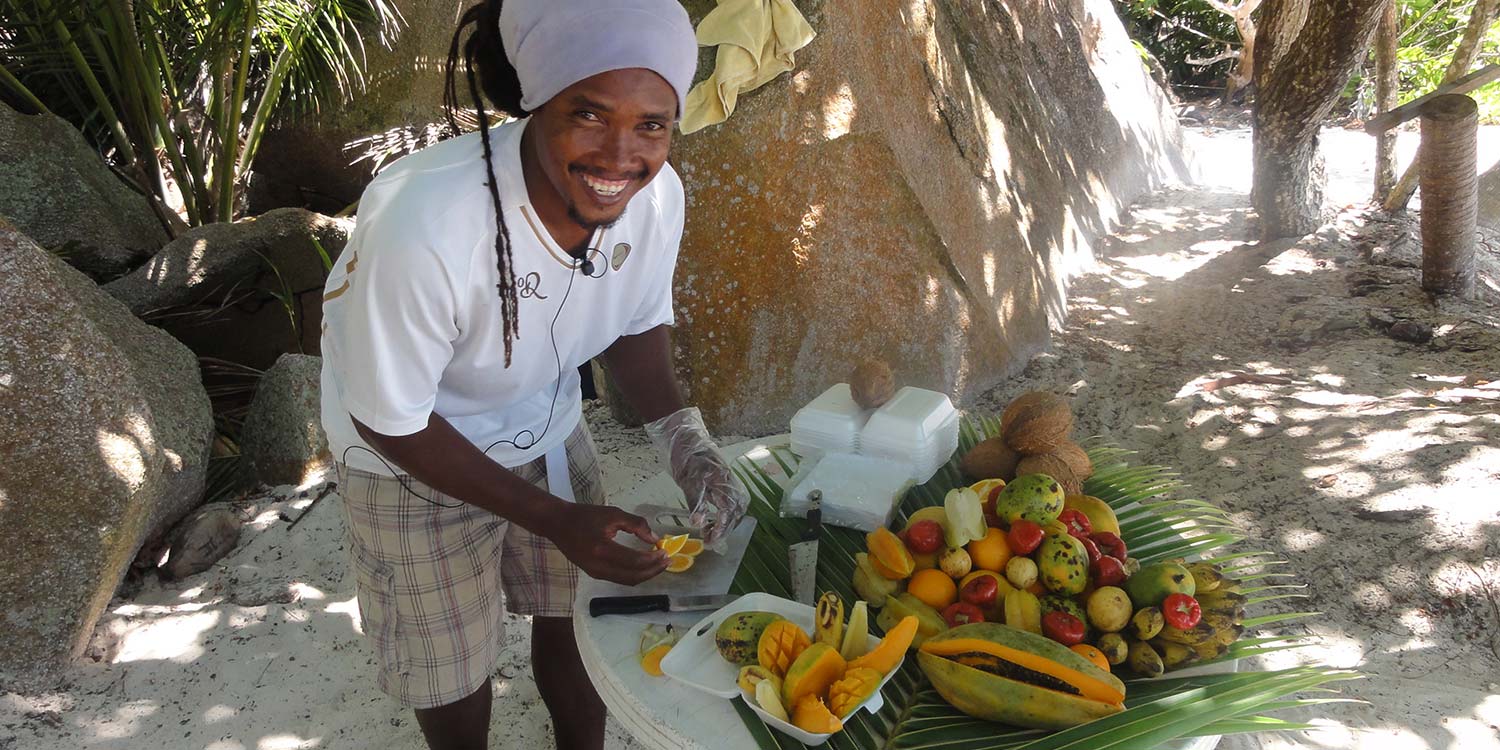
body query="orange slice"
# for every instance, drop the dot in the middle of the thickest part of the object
(651, 661)
(680, 563)
(672, 544)
(691, 547)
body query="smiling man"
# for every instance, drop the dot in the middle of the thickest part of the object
(483, 272)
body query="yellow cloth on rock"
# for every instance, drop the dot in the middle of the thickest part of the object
(756, 39)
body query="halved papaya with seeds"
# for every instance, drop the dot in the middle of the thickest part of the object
(998, 673)
(1070, 679)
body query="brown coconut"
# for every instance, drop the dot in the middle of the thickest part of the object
(1075, 457)
(990, 459)
(872, 384)
(1053, 466)
(1036, 422)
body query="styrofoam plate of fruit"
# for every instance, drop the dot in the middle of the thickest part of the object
(696, 662)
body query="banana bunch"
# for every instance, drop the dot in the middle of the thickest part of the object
(1221, 625)
(1152, 647)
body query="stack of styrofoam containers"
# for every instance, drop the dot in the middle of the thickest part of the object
(830, 424)
(917, 428)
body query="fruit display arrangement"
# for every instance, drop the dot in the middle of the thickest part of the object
(1020, 595)
(1024, 593)
(811, 681)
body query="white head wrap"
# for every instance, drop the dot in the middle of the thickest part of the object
(554, 44)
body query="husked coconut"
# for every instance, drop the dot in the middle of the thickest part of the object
(1075, 457)
(198, 542)
(1053, 466)
(1036, 422)
(990, 459)
(872, 384)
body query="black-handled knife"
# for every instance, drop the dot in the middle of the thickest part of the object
(634, 605)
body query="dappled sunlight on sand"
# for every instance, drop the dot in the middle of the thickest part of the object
(173, 637)
(271, 742)
(1368, 464)
(125, 721)
(349, 608)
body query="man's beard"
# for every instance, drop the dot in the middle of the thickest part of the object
(591, 225)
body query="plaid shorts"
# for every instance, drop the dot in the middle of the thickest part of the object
(430, 579)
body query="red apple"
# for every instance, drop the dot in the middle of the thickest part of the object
(981, 592)
(1092, 549)
(1024, 536)
(925, 537)
(962, 613)
(987, 503)
(1108, 571)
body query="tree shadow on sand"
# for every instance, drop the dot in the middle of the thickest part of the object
(1371, 465)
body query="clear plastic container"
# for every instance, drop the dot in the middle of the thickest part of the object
(917, 428)
(831, 423)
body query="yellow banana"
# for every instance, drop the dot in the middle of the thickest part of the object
(1200, 633)
(1210, 650)
(828, 620)
(1226, 629)
(1144, 660)
(1206, 576)
(1174, 655)
(1148, 622)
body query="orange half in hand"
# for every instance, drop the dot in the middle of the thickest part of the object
(680, 563)
(672, 544)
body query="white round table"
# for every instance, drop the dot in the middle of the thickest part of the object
(658, 711)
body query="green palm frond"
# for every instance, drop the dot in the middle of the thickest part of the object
(1155, 525)
(182, 90)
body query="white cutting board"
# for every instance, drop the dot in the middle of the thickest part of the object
(711, 573)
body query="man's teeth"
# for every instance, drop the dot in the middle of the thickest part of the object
(605, 187)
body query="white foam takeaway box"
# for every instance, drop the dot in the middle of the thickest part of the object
(831, 423)
(917, 428)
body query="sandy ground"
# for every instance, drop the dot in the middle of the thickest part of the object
(1371, 464)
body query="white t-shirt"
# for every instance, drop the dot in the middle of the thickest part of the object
(411, 312)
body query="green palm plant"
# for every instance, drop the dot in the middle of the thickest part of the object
(1154, 525)
(179, 92)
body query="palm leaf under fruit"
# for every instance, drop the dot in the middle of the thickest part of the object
(1154, 525)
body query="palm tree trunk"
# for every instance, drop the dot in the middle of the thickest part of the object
(1387, 87)
(1307, 52)
(1464, 58)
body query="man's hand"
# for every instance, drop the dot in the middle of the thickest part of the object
(585, 534)
(717, 501)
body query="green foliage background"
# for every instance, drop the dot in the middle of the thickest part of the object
(177, 93)
(1176, 31)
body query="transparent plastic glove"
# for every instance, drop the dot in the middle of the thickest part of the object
(717, 501)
